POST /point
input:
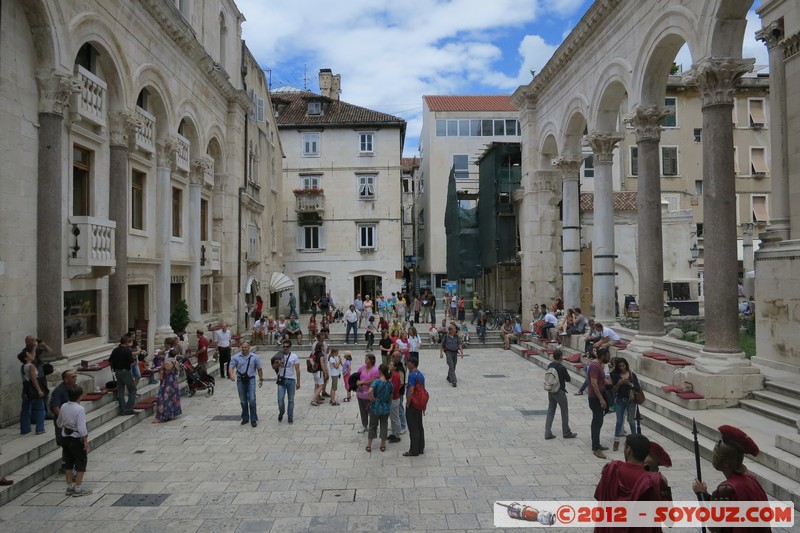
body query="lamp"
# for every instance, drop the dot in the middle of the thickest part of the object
(695, 252)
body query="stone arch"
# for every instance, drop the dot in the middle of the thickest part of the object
(188, 123)
(150, 77)
(611, 96)
(47, 40)
(215, 149)
(574, 130)
(726, 35)
(549, 151)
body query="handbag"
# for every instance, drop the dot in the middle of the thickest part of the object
(29, 390)
(638, 393)
(281, 379)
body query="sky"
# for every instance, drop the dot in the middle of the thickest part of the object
(390, 53)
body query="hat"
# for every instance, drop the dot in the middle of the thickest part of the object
(740, 439)
(660, 454)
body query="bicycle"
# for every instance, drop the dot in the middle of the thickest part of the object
(495, 319)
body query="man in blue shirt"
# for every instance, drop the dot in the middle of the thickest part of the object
(416, 433)
(243, 370)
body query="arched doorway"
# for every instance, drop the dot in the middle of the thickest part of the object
(367, 284)
(309, 287)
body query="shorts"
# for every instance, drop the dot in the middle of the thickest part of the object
(73, 455)
(318, 378)
(334, 383)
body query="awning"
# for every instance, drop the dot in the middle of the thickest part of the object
(759, 162)
(760, 209)
(280, 282)
(757, 112)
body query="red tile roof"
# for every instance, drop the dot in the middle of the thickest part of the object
(409, 163)
(623, 201)
(292, 108)
(495, 102)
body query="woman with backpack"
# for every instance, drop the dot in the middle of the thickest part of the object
(366, 375)
(380, 395)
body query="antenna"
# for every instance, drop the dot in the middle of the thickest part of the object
(305, 76)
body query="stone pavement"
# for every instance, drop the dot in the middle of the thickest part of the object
(484, 442)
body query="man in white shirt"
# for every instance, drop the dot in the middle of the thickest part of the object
(358, 303)
(550, 321)
(288, 380)
(351, 320)
(607, 336)
(74, 442)
(223, 339)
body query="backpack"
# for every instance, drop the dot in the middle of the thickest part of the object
(324, 301)
(551, 381)
(353, 381)
(419, 400)
(312, 363)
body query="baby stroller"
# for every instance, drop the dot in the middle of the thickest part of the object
(197, 379)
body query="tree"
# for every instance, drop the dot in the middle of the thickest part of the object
(179, 318)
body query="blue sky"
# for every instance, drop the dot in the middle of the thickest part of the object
(389, 53)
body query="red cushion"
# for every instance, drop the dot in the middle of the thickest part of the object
(621, 345)
(92, 396)
(657, 356)
(530, 352)
(579, 365)
(671, 388)
(678, 362)
(690, 396)
(576, 358)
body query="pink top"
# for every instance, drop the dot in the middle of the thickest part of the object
(369, 377)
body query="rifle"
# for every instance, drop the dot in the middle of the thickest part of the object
(638, 419)
(700, 496)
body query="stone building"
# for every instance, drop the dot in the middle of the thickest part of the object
(408, 197)
(455, 131)
(341, 224)
(130, 143)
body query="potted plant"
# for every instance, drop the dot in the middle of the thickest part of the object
(179, 318)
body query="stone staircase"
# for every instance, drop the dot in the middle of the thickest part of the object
(769, 418)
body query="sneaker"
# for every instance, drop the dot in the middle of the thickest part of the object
(325, 395)
(403, 431)
(280, 417)
(70, 491)
(616, 445)
(599, 454)
(602, 448)
(579, 393)
(570, 435)
(392, 438)
(80, 491)
(549, 437)
(291, 421)
(363, 429)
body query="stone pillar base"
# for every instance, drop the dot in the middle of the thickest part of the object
(642, 344)
(724, 363)
(722, 389)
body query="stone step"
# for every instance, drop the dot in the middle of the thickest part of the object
(788, 403)
(783, 387)
(653, 387)
(775, 483)
(788, 442)
(770, 410)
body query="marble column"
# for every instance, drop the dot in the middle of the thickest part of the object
(193, 238)
(55, 92)
(123, 125)
(165, 165)
(570, 167)
(604, 255)
(541, 221)
(778, 230)
(716, 79)
(650, 256)
(748, 263)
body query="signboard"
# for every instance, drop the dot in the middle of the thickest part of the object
(451, 286)
(410, 259)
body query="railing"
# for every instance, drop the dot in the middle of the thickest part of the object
(92, 97)
(182, 156)
(208, 174)
(310, 203)
(145, 136)
(91, 243)
(210, 252)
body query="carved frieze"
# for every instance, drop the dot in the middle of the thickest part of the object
(55, 91)
(569, 165)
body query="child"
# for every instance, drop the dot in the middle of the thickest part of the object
(434, 334)
(348, 363)
(142, 364)
(312, 328)
(384, 324)
(158, 360)
(369, 336)
(335, 370)
(464, 333)
(75, 443)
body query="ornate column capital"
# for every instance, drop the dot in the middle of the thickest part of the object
(602, 144)
(646, 121)
(55, 91)
(569, 165)
(167, 150)
(716, 78)
(200, 168)
(772, 34)
(124, 124)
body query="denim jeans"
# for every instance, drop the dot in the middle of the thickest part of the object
(31, 409)
(481, 333)
(585, 383)
(351, 326)
(288, 387)
(597, 421)
(402, 413)
(125, 383)
(247, 397)
(624, 407)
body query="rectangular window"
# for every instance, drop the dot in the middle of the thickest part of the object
(452, 128)
(698, 187)
(205, 298)
(463, 128)
(671, 121)
(669, 160)
(698, 135)
(311, 144)
(512, 127)
(475, 128)
(757, 116)
(365, 142)
(203, 219)
(441, 128)
(736, 170)
(252, 243)
(634, 160)
(366, 186)
(760, 213)
(367, 237)
(312, 181)
(137, 199)
(486, 128)
(80, 315)
(315, 108)
(177, 212)
(499, 127)
(588, 166)
(461, 167)
(758, 162)
(673, 202)
(311, 238)
(81, 182)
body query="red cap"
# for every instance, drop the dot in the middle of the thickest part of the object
(660, 454)
(737, 437)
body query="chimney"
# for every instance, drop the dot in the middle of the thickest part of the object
(329, 84)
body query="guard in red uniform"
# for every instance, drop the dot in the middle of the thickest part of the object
(739, 484)
(657, 458)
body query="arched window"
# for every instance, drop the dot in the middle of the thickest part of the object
(87, 58)
(142, 99)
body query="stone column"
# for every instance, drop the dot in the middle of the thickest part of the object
(650, 257)
(778, 230)
(541, 220)
(196, 179)
(604, 255)
(55, 94)
(570, 167)
(123, 125)
(716, 78)
(748, 262)
(166, 163)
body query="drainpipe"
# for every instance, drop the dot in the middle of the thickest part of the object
(242, 189)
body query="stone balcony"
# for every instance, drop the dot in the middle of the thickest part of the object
(183, 153)
(91, 102)
(91, 246)
(309, 201)
(210, 255)
(145, 134)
